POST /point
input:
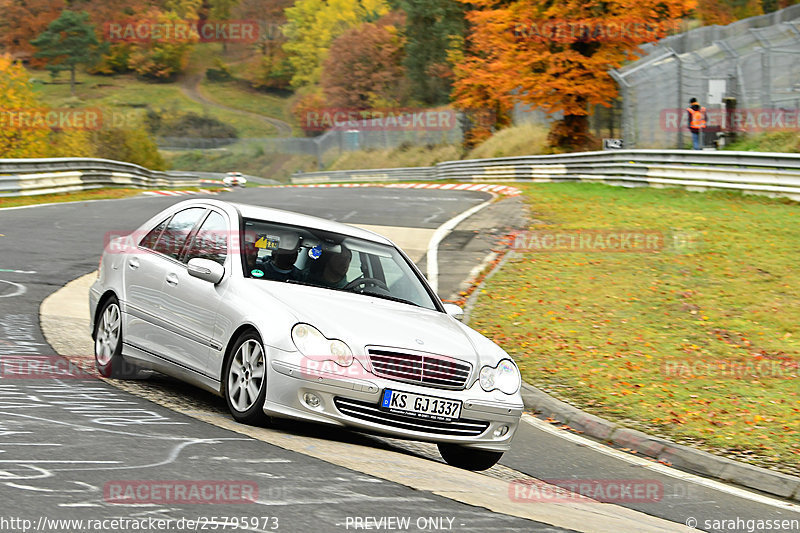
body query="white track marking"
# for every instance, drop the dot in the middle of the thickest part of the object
(659, 467)
(439, 235)
(20, 289)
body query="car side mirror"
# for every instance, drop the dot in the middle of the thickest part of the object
(454, 311)
(206, 269)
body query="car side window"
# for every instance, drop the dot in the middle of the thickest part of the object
(211, 240)
(174, 236)
(151, 238)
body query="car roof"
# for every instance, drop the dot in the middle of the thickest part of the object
(293, 219)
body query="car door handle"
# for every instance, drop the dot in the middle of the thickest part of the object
(133, 263)
(172, 278)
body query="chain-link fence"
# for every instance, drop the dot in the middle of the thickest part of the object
(747, 75)
(373, 134)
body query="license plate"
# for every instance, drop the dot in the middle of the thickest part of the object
(420, 406)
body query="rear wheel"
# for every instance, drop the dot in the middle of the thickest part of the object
(246, 380)
(108, 343)
(468, 458)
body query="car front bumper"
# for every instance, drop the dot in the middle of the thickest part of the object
(488, 421)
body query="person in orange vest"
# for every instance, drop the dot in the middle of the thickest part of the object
(697, 123)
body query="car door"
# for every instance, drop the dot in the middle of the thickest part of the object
(145, 272)
(191, 304)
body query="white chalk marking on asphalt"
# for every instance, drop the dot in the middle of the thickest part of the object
(88, 488)
(79, 504)
(37, 461)
(438, 236)
(20, 289)
(28, 444)
(658, 467)
(17, 271)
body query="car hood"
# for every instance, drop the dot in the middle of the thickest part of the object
(361, 320)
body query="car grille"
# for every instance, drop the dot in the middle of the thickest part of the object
(430, 370)
(369, 412)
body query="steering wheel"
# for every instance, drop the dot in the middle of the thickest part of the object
(366, 282)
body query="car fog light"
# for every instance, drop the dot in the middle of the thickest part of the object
(312, 400)
(499, 432)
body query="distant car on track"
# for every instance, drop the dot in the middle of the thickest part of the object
(234, 179)
(293, 316)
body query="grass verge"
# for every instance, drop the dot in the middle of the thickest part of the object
(81, 196)
(780, 141)
(525, 139)
(697, 343)
(403, 156)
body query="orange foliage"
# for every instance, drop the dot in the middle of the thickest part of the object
(23, 20)
(556, 55)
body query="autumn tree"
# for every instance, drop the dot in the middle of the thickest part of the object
(165, 58)
(270, 69)
(714, 12)
(314, 24)
(221, 9)
(555, 56)
(305, 108)
(67, 43)
(22, 20)
(184, 9)
(364, 68)
(433, 27)
(133, 145)
(18, 139)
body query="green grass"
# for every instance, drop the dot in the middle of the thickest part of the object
(246, 157)
(232, 94)
(526, 139)
(781, 141)
(645, 338)
(96, 194)
(81, 196)
(128, 96)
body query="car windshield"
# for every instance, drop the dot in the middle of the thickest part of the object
(307, 256)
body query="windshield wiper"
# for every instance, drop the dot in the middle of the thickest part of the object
(376, 295)
(298, 282)
(389, 297)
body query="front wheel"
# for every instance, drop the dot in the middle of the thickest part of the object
(467, 458)
(108, 344)
(246, 380)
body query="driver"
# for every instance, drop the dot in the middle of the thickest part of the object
(280, 266)
(334, 271)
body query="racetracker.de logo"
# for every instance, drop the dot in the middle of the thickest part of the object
(390, 119)
(45, 367)
(588, 240)
(180, 492)
(600, 490)
(744, 119)
(756, 368)
(39, 118)
(325, 367)
(630, 30)
(181, 31)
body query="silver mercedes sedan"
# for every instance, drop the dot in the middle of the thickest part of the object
(288, 315)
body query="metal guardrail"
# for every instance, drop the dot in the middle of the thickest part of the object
(773, 174)
(377, 174)
(25, 177)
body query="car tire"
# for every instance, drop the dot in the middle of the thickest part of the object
(108, 358)
(468, 458)
(245, 380)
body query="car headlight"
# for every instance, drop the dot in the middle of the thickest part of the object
(312, 343)
(503, 377)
